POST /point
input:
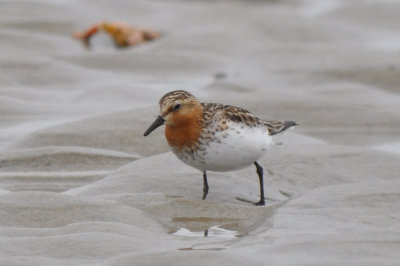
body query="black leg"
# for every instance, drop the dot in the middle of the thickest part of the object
(205, 185)
(260, 176)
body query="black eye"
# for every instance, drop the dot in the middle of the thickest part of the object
(177, 106)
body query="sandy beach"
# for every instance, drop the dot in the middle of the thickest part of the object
(80, 185)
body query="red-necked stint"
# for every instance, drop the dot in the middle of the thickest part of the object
(215, 137)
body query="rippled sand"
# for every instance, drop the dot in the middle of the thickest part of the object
(80, 185)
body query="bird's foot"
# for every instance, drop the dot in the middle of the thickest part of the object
(259, 203)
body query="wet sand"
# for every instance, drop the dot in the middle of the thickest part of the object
(80, 185)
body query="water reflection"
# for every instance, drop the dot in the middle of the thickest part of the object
(212, 232)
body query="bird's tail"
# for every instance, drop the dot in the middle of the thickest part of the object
(286, 125)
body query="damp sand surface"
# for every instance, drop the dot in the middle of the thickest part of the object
(80, 185)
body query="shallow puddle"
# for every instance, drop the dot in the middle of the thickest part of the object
(212, 232)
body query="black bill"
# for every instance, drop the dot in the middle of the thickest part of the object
(159, 122)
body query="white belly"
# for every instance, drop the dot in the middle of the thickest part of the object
(237, 148)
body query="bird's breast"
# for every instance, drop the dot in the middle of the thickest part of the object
(182, 136)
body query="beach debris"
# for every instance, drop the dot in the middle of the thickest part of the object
(123, 34)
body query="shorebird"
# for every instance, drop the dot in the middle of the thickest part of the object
(215, 137)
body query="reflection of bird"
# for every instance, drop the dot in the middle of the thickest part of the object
(215, 137)
(122, 34)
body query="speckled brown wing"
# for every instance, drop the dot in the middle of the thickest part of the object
(226, 113)
(222, 114)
